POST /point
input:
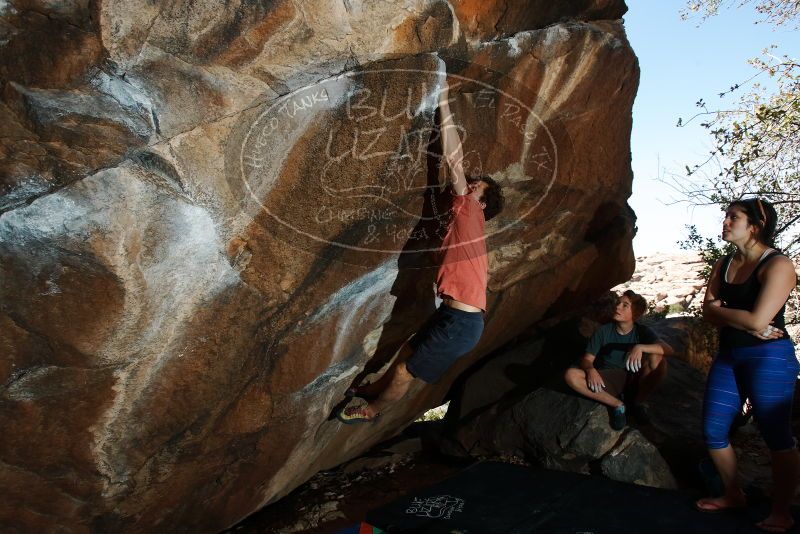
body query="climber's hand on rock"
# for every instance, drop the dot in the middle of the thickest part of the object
(444, 93)
(594, 381)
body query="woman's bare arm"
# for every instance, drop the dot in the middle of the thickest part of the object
(778, 280)
(712, 294)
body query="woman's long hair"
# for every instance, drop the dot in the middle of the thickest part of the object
(761, 214)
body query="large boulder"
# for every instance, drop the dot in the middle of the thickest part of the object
(562, 431)
(213, 218)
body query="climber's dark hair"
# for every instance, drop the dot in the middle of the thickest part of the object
(492, 196)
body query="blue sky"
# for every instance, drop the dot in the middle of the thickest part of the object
(680, 63)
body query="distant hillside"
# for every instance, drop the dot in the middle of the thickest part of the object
(669, 282)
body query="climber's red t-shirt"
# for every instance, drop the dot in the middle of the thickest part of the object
(464, 267)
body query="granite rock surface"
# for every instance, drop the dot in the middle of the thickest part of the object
(214, 219)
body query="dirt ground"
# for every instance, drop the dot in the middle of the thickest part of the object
(340, 497)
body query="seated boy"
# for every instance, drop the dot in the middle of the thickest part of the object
(620, 354)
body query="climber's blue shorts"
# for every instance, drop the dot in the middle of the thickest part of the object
(766, 374)
(445, 337)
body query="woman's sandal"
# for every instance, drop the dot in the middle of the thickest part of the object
(769, 527)
(708, 506)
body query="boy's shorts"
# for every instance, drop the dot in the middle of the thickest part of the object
(615, 380)
(618, 380)
(446, 336)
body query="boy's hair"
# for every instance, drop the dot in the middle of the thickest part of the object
(492, 196)
(638, 303)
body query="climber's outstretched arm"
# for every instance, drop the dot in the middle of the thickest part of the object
(451, 144)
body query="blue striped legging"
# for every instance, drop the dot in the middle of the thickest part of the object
(765, 374)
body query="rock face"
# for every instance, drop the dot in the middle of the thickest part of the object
(212, 218)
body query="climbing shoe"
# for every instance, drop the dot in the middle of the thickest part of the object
(351, 415)
(618, 420)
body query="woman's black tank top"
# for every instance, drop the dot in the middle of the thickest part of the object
(743, 297)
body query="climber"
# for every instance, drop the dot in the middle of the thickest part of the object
(456, 326)
(620, 355)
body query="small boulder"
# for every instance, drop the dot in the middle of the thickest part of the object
(634, 459)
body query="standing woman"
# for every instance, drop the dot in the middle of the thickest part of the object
(745, 298)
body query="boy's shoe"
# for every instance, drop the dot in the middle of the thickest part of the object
(351, 415)
(639, 412)
(618, 419)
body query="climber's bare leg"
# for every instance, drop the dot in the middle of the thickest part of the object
(380, 385)
(400, 381)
